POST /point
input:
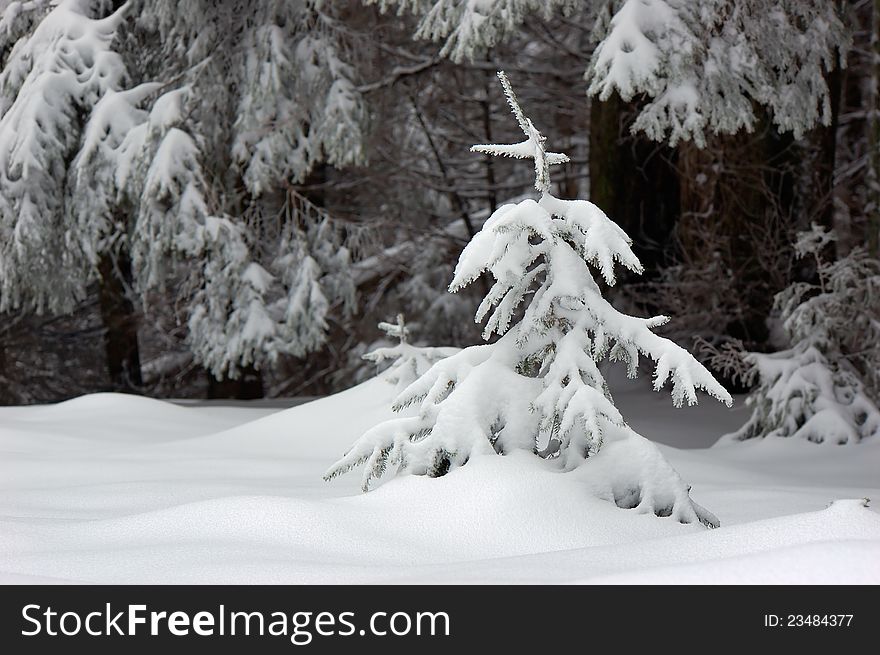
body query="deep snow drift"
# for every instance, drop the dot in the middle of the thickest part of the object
(119, 489)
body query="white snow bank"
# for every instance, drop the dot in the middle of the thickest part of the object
(323, 428)
(118, 489)
(491, 508)
(840, 545)
(837, 545)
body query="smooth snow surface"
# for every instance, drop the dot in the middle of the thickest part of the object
(119, 489)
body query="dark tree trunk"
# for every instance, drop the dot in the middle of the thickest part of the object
(120, 323)
(486, 113)
(314, 187)
(828, 158)
(605, 157)
(873, 222)
(737, 204)
(633, 181)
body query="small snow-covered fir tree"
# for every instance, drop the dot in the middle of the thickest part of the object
(538, 387)
(821, 388)
(407, 362)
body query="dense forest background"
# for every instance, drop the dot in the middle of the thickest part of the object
(331, 141)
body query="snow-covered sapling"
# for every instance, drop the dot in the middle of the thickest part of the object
(538, 387)
(407, 362)
(819, 389)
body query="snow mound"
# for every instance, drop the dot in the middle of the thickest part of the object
(116, 417)
(494, 507)
(839, 545)
(207, 496)
(322, 428)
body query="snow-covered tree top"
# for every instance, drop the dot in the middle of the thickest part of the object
(814, 240)
(408, 362)
(532, 147)
(541, 251)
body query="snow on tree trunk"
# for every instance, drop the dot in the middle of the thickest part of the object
(538, 387)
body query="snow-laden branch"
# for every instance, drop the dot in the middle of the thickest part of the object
(531, 148)
(708, 66)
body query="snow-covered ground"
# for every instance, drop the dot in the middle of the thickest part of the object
(119, 489)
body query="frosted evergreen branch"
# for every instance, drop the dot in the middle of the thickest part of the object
(408, 362)
(532, 147)
(524, 123)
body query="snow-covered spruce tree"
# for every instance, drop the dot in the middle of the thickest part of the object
(134, 180)
(148, 163)
(821, 388)
(182, 171)
(407, 362)
(708, 65)
(274, 79)
(276, 98)
(538, 387)
(51, 80)
(702, 66)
